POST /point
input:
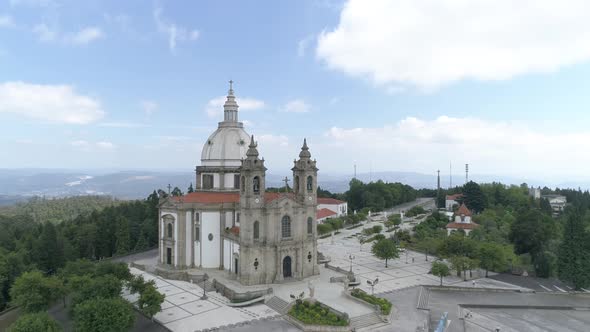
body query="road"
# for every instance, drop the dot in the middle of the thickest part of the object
(426, 202)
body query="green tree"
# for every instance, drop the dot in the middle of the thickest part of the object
(385, 249)
(531, 232)
(491, 257)
(574, 251)
(460, 264)
(440, 269)
(150, 301)
(50, 255)
(176, 192)
(40, 321)
(190, 189)
(122, 236)
(34, 292)
(100, 314)
(473, 197)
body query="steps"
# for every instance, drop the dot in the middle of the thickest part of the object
(363, 321)
(277, 304)
(423, 298)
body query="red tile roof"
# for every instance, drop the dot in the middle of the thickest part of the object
(463, 211)
(235, 230)
(330, 201)
(323, 213)
(456, 225)
(454, 197)
(210, 197)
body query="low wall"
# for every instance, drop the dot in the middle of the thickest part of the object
(240, 296)
(375, 307)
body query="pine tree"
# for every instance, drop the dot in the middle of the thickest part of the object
(573, 262)
(50, 254)
(122, 234)
(190, 189)
(473, 197)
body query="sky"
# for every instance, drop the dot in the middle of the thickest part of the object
(399, 85)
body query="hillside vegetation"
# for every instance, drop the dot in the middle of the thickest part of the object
(55, 210)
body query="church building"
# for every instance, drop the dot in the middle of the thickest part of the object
(231, 223)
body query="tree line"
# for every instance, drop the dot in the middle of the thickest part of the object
(27, 244)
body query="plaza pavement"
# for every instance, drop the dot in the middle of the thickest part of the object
(183, 309)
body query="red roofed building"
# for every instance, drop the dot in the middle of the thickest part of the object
(231, 223)
(340, 208)
(451, 200)
(462, 221)
(324, 214)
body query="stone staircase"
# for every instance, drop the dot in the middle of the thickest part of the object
(277, 304)
(423, 297)
(366, 320)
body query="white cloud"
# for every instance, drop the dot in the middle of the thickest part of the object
(303, 44)
(214, 107)
(269, 140)
(45, 33)
(123, 125)
(149, 106)
(85, 36)
(6, 21)
(105, 145)
(431, 43)
(419, 145)
(296, 106)
(174, 32)
(90, 146)
(54, 103)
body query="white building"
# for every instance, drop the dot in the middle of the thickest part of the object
(462, 221)
(557, 202)
(452, 200)
(338, 206)
(231, 223)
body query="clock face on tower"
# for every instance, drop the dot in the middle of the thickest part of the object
(257, 200)
(309, 198)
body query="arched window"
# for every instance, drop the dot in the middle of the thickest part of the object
(197, 233)
(169, 233)
(196, 217)
(309, 183)
(256, 230)
(286, 227)
(256, 184)
(243, 184)
(309, 225)
(296, 184)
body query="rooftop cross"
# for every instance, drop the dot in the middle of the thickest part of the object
(231, 86)
(169, 187)
(286, 180)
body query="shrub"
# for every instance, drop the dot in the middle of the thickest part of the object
(316, 314)
(383, 304)
(324, 229)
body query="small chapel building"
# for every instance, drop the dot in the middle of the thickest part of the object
(231, 223)
(462, 221)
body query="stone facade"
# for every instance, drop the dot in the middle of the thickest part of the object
(233, 224)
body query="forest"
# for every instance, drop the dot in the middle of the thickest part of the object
(76, 228)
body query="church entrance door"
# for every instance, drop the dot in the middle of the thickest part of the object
(287, 267)
(169, 256)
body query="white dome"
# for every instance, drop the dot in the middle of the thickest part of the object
(225, 147)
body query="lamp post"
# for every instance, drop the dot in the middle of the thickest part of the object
(205, 278)
(351, 257)
(372, 283)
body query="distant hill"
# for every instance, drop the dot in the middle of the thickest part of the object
(17, 184)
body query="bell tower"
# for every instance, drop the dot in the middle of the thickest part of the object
(252, 178)
(305, 177)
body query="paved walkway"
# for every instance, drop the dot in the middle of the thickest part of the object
(183, 309)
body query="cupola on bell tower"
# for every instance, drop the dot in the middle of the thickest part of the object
(305, 177)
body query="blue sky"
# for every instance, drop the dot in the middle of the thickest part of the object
(389, 85)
